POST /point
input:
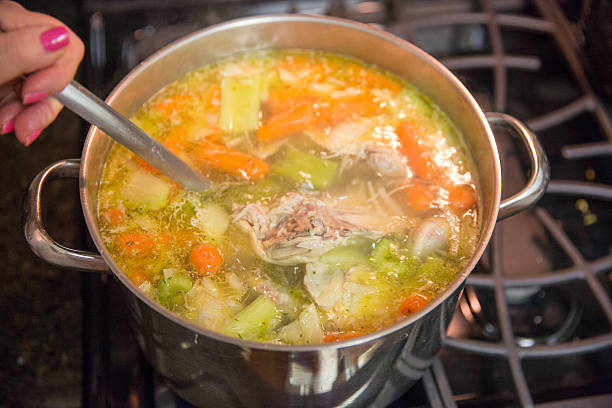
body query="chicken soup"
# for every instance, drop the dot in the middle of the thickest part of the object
(342, 199)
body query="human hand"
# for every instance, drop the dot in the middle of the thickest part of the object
(39, 56)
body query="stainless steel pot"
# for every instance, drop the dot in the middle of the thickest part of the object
(209, 369)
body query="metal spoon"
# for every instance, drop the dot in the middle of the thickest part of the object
(88, 106)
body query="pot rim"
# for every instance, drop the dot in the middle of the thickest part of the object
(486, 232)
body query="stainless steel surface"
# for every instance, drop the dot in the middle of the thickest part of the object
(39, 240)
(84, 103)
(540, 171)
(210, 369)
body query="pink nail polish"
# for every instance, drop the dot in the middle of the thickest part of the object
(55, 38)
(7, 128)
(34, 97)
(32, 137)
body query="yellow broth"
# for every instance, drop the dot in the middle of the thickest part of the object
(343, 199)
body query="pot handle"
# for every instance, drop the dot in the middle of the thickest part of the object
(540, 169)
(39, 240)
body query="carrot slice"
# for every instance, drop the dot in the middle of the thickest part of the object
(138, 278)
(369, 78)
(333, 337)
(231, 161)
(417, 156)
(173, 103)
(206, 259)
(296, 119)
(461, 197)
(419, 197)
(114, 216)
(305, 66)
(413, 303)
(143, 164)
(286, 99)
(136, 243)
(339, 110)
(213, 98)
(294, 113)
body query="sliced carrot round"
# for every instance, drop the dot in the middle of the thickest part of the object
(333, 337)
(138, 278)
(114, 216)
(413, 303)
(461, 197)
(419, 197)
(136, 243)
(418, 157)
(206, 259)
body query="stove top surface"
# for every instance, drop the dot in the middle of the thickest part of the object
(534, 325)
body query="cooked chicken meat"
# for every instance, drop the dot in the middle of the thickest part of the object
(385, 160)
(298, 229)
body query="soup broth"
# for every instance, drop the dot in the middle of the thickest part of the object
(342, 199)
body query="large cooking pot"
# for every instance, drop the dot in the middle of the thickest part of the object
(210, 369)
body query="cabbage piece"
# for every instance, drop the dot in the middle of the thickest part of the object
(355, 296)
(344, 256)
(324, 283)
(306, 329)
(212, 303)
(306, 168)
(212, 219)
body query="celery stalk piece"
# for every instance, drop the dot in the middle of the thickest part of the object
(304, 167)
(384, 258)
(169, 288)
(253, 322)
(240, 101)
(144, 190)
(382, 253)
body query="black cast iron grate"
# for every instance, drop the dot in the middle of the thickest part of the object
(551, 22)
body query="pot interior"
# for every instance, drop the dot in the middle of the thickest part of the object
(293, 31)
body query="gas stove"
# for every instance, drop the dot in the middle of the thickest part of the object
(534, 325)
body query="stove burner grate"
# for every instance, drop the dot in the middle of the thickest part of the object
(478, 41)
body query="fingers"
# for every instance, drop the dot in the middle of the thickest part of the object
(32, 119)
(30, 49)
(8, 112)
(54, 78)
(49, 53)
(14, 17)
(45, 50)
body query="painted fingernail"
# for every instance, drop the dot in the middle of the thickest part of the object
(34, 97)
(7, 128)
(32, 137)
(55, 38)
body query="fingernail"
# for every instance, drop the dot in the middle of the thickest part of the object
(32, 137)
(7, 128)
(55, 38)
(33, 97)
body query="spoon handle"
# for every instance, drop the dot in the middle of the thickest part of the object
(88, 106)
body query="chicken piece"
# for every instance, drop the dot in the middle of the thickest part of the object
(358, 140)
(299, 229)
(385, 160)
